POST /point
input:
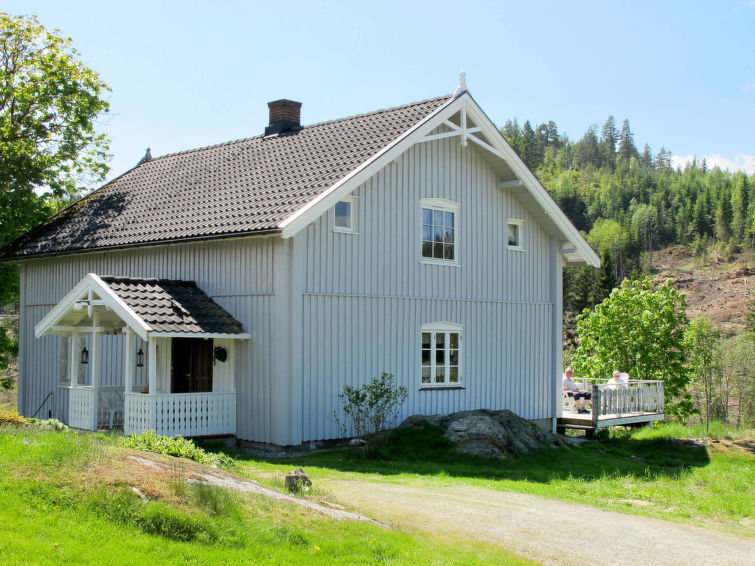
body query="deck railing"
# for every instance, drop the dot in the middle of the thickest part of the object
(187, 414)
(638, 397)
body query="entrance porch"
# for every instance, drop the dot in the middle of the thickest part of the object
(181, 342)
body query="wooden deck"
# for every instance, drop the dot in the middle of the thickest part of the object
(638, 404)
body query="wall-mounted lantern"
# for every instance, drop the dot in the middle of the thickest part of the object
(220, 354)
(140, 358)
(85, 356)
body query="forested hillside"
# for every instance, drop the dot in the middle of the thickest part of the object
(629, 203)
(632, 205)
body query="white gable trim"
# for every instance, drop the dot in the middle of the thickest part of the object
(497, 146)
(83, 292)
(522, 172)
(310, 212)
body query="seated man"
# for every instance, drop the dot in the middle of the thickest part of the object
(580, 397)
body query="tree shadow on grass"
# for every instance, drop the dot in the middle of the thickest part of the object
(425, 451)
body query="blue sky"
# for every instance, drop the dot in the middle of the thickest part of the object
(188, 74)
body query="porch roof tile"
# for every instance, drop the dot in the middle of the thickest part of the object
(168, 305)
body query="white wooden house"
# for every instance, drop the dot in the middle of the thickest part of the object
(235, 289)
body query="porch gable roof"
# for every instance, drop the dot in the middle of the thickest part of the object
(149, 306)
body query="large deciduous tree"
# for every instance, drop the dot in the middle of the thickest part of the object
(641, 331)
(50, 149)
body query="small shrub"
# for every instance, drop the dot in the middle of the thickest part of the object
(370, 410)
(179, 447)
(51, 424)
(12, 418)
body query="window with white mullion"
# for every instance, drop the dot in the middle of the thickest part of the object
(441, 356)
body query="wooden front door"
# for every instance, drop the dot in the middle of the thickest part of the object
(191, 365)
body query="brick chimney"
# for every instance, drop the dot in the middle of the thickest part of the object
(285, 116)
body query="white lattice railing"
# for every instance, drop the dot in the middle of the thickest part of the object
(639, 396)
(81, 401)
(187, 414)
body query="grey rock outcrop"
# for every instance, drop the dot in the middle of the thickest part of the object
(488, 433)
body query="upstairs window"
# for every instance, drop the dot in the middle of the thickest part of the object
(441, 355)
(515, 234)
(343, 215)
(439, 230)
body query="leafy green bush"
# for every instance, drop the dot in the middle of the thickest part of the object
(370, 409)
(177, 446)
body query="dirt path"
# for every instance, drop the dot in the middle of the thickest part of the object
(545, 530)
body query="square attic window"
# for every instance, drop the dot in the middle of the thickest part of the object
(343, 215)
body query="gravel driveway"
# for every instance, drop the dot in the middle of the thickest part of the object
(545, 530)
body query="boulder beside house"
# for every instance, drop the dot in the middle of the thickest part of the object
(235, 289)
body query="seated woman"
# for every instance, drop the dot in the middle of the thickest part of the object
(618, 380)
(581, 397)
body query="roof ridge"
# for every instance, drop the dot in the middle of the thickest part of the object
(316, 124)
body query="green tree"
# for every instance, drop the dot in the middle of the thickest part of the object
(49, 147)
(701, 341)
(606, 280)
(608, 137)
(739, 207)
(627, 149)
(640, 331)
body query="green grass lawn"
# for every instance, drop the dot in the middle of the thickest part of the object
(653, 472)
(67, 499)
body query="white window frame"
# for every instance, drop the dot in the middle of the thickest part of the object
(447, 328)
(519, 223)
(352, 200)
(444, 205)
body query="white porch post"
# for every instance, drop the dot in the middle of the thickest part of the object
(128, 363)
(95, 361)
(152, 377)
(73, 361)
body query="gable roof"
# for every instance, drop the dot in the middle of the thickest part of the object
(238, 188)
(279, 184)
(150, 307)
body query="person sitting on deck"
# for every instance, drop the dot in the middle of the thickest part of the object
(570, 388)
(618, 381)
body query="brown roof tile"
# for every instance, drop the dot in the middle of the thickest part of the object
(241, 187)
(168, 305)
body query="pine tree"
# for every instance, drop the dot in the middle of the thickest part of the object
(606, 281)
(739, 206)
(584, 289)
(608, 137)
(588, 149)
(723, 220)
(627, 149)
(647, 158)
(531, 151)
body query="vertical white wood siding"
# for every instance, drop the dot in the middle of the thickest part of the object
(367, 295)
(236, 273)
(325, 309)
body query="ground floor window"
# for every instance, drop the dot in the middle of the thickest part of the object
(441, 354)
(191, 365)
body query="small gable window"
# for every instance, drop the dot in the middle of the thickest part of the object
(515, 234)
(441, 355)
(344, 215)
(440, 231)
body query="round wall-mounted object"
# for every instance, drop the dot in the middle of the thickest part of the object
(221, 354)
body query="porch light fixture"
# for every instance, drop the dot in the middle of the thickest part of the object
(140, 358)
(85, 356)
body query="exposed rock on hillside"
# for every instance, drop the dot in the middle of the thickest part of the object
(488, 433)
